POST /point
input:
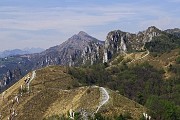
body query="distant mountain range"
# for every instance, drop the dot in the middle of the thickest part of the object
(69, 52)
(144, 67)
(84, 49)
(76, 50)
(13, 52)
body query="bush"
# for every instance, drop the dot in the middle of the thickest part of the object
(162, 109)
(162, 44)
(98, 116)
(127, 115)
(178, 60)
(120, 117)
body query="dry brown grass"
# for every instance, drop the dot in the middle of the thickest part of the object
(119, 104)
(54, 92)
(163, 62)
(10, 93)
(160, 62)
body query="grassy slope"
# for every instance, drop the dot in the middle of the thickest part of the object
(160, 62)
(54, 92)
(119, 104)
(164, 61)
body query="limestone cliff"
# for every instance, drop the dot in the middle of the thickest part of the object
(121, 42)
(71, 52)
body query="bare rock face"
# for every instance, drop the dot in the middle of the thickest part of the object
(92, 53)
(121, 42)
(147, 35)
(10, 77)
(116, 42)
(68, 53)
(80, 49)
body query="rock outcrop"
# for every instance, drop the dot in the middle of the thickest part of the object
(73, 52)
(92, 53)
(9, 78)
(119, 42)
(82, 49)
(70, 52)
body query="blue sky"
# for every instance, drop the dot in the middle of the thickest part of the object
(45, 23)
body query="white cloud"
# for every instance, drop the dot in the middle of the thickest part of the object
(59, 18)
(68, 21)
(20, 22)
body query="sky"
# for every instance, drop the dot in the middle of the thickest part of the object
(46, 23)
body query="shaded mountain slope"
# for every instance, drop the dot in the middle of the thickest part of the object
(68, 53)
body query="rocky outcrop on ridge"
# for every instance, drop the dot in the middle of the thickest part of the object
(121, 42)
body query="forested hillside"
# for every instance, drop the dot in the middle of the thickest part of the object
(140, 82)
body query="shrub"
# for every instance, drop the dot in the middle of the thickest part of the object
(178, 60)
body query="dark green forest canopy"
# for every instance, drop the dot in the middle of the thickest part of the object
(163, 43)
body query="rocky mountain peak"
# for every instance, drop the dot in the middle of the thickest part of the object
(83, 48)
(152, 28)
(115, 43)
(81, 37)
(118, 41)
(148, 34)
(67, 53)
(82, 33)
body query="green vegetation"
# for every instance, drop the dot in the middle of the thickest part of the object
(163, 109)
(178, 60)
(138, 83)
(96, 116)
(118, 60)
(163, 43)
(175, 68)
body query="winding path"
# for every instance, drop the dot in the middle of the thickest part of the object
(32, 77)
(104, 97)
(140, 57)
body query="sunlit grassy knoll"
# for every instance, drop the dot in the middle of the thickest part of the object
(119, 104)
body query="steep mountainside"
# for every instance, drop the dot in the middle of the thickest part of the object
(18, 66)
(85, 49)
(54, 92)
(143, 67)
(69, 52)
(152, 39)
(122, 42)
(78, 49)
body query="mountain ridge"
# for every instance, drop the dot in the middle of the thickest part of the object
(67, 53)
(7, 53)
(139, 66)
(54, 92)
(81, 49)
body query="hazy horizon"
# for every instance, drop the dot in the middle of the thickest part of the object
(46, 23)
